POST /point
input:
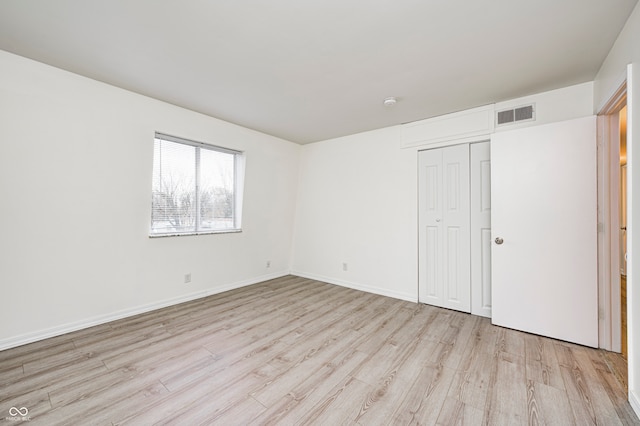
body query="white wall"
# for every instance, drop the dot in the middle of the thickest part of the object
(357, 204)
(613, 72)
(75, 180)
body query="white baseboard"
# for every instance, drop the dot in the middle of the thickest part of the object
(634, 400)
(35, 336)
(356, 286)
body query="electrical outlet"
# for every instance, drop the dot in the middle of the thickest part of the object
(268, 264)
(345, 267)
(187, 278)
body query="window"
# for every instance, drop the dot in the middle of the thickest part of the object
(195, 188)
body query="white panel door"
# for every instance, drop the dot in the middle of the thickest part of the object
(544, 221)
(480, 229)
(444, 228)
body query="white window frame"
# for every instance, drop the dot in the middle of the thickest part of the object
(238, 184)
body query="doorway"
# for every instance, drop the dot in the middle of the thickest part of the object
(612, 218)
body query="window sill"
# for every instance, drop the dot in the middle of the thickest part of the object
(191, 234)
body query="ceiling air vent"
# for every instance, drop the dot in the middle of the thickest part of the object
(514, 115)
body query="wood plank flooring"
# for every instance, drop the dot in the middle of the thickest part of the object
(294, 351)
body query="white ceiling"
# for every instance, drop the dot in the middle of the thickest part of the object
(313, 70)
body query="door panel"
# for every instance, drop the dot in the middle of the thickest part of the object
(430, 200)
(453, 290)
(432, 267)
(481, 229)
(543, 196)
(444, 227)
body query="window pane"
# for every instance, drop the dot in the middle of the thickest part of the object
(194, 187)
(174, 188)
(217, 202)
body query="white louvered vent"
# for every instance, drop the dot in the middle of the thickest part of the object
(515, 115)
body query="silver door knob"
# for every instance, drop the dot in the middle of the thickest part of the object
(437, 220)
(499, 240)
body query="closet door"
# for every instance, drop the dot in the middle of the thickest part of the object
(444, 251)
(481, 229)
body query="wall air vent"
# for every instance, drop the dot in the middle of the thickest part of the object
(515, 115)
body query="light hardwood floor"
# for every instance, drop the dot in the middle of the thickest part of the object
(298, 351)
